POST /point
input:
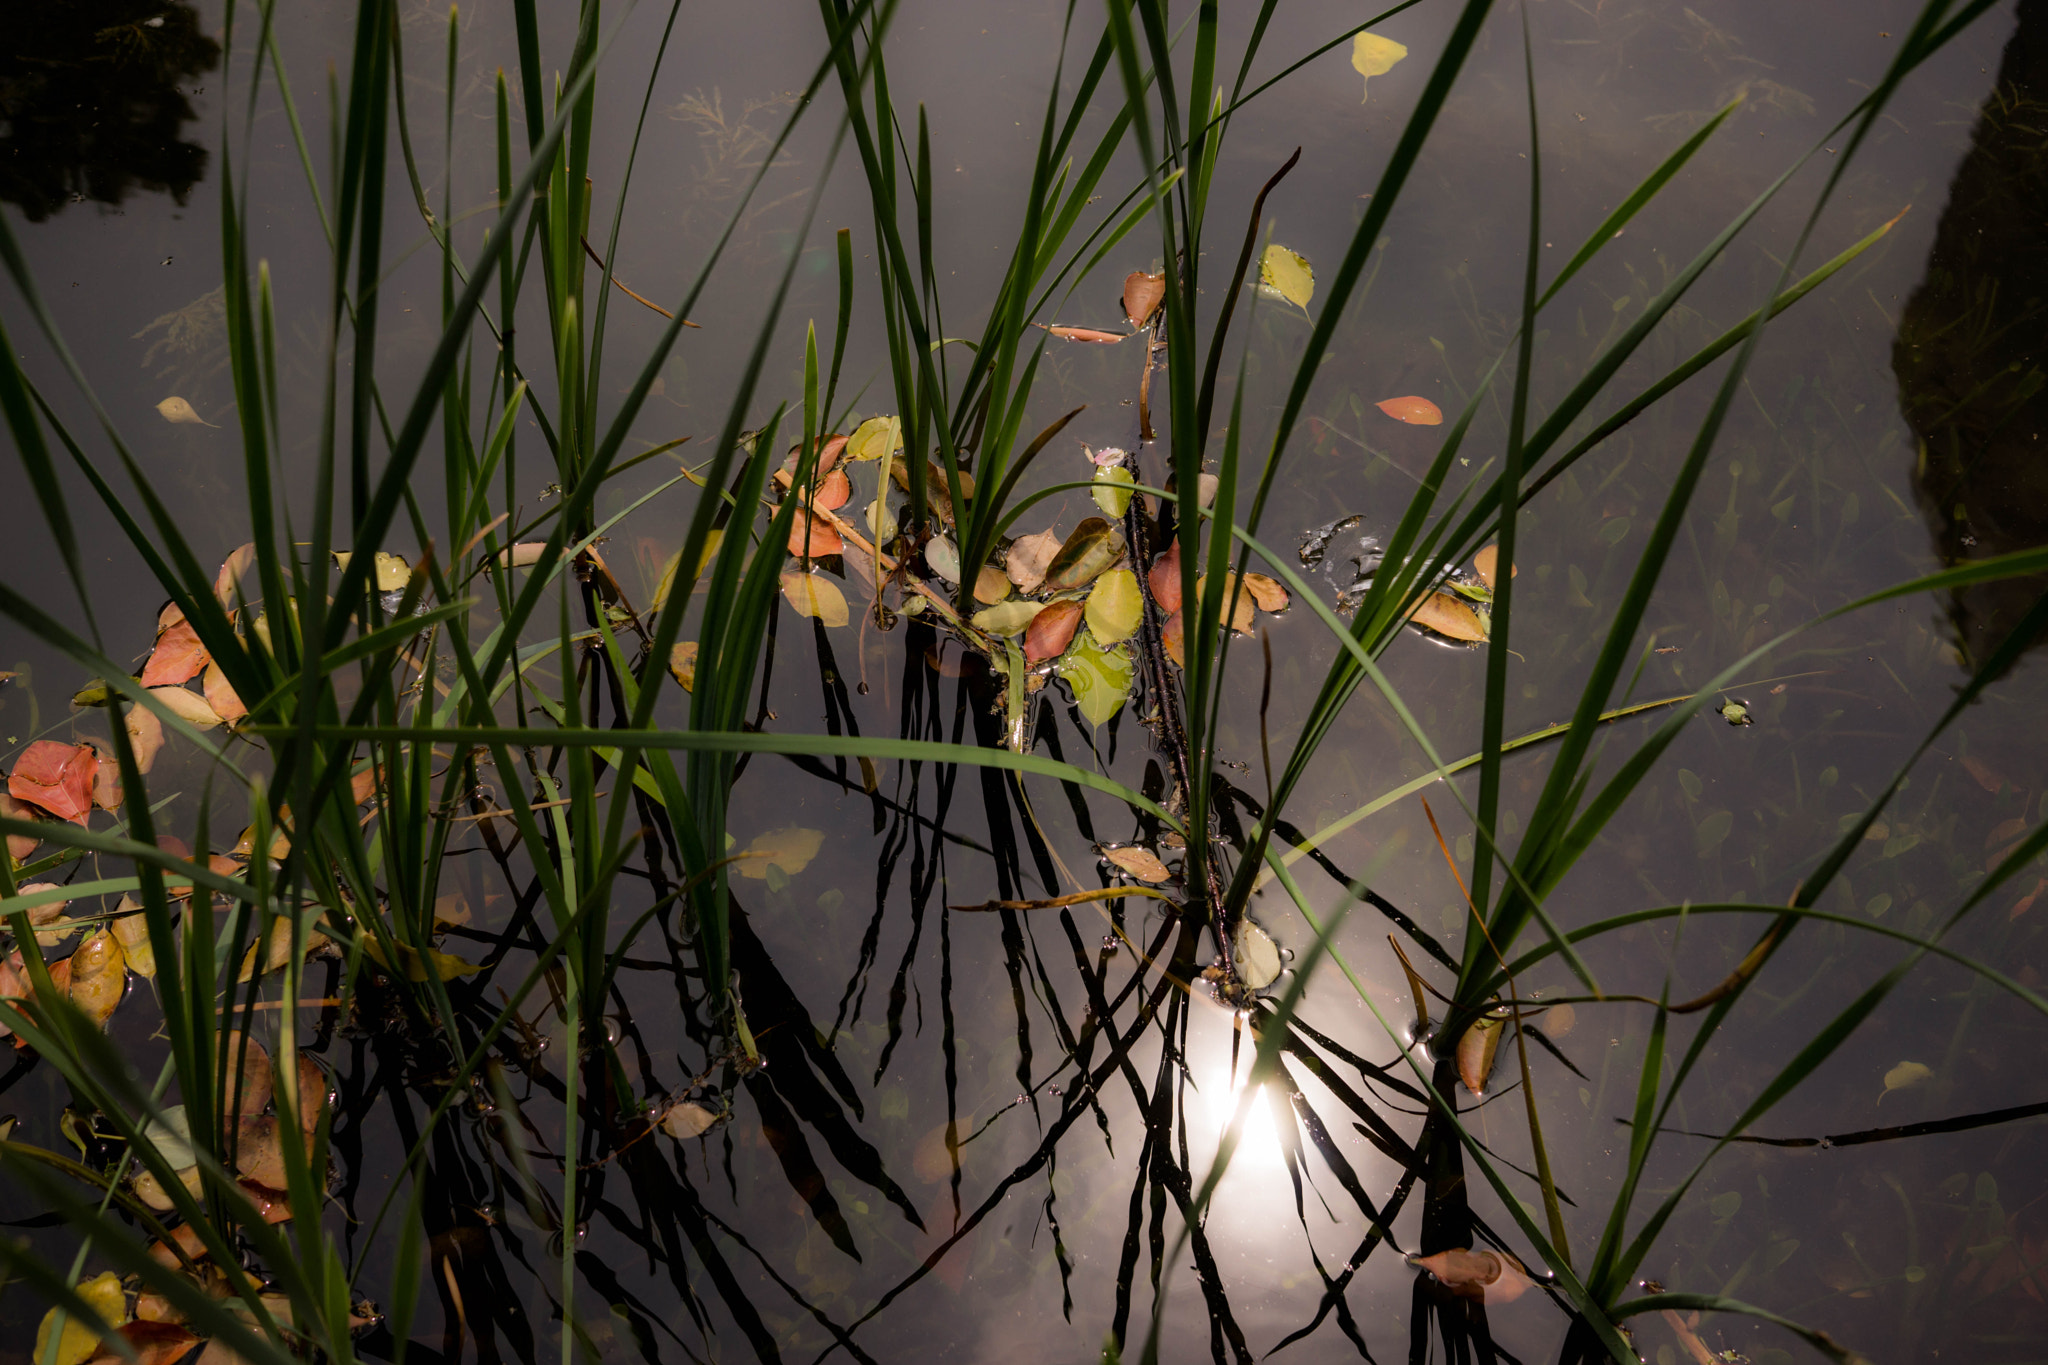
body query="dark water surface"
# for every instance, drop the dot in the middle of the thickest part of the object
(1891, 425)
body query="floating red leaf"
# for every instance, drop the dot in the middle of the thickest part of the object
(1142, 295)
(1420, 411)
(57, 777)
(1089, 334)
(1051, 631)
(1165, 579)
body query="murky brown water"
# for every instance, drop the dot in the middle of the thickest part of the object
(886, 1018)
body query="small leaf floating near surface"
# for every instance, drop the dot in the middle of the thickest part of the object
(811, 535)
(1141, 863)
(1414, 410)
(1115, 607)
(99, 976)
(1487, 562)
(1287, 273)
(1051, 631)
(177, 410)
(1372, 55)
(525, 555)
(1736, 712)
(1904, 1076)
(1560, 1020)
(687, 1120)
(1472, 1274)
(815, 597)
(1172, 638)
(393, 572)
(221, 695)
(132, 929)
(833, 492)
(1258, 957)
(2026, 902)
(1092, 547)
(1143, 294)
(1984, 774)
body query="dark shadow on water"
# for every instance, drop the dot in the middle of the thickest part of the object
(90, 104)
(1968, 356)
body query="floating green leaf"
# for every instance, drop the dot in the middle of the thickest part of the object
(1092, 547)
(1099, 677)
(874, 438)
(1112, 492)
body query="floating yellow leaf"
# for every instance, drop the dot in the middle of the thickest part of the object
(1258, 957)
(1234, 603)
(187, 706)
(815, 597)
(104, 1295)
(789, 850)
(1267, 594)
(176, 409)
(1372, 55)
(990, 586)
(1288, 274)
(393, 572)
(99, 976)
(132, 929)
(1099, 677)
(688, 1120)
(1007, 618)
(1904, 1076)
(1476, 1050)
(1115, 607)
(942, 558)
(1141, 863)
(682, 664)
(874, 438)
(445, 965)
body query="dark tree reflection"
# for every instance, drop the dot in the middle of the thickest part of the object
(1969, 358)
(90, 104)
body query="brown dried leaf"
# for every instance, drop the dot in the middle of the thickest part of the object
(225, 701)
(1141, 863)
(1234, 600)
(990, 587)
(1165, 579)
(99, 976)
(1142, 295)
(1028, 558)
(1090, 548)
(1171, 632)
(1471, 1274)
(145, 736)
(1093, 334)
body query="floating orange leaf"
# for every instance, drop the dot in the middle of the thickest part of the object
(1089, 334)
(145, 736)
(1142, 296)
(2026, 902)
(1471, 1274)
(1171, 633)
(225, 701)
(19, 846)
(1419, 411)
(57, 777)
(1486, 561)
(99, 976)
(1985, 775)
(1446, 615)
(833, 491)
(177, 658)
(1141, 863)
(813, 536)
(1267, 594)
(231, 569)
(1165, 579)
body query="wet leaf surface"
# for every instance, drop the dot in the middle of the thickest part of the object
(179, 412)
(874, 438)
(1905, 1076)
(1267, 594)
(1112, 492)
(1008, 618)
(1164, 579)
(1234, 602)
(187, 706)
(177, 658)
(1476, 1049)
(1100, 678)
(682, 664)
(1449, 617)
(1093, 334)
(1258, 957)
(77, 1343)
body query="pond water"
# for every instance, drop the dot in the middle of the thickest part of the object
(923, 1170)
